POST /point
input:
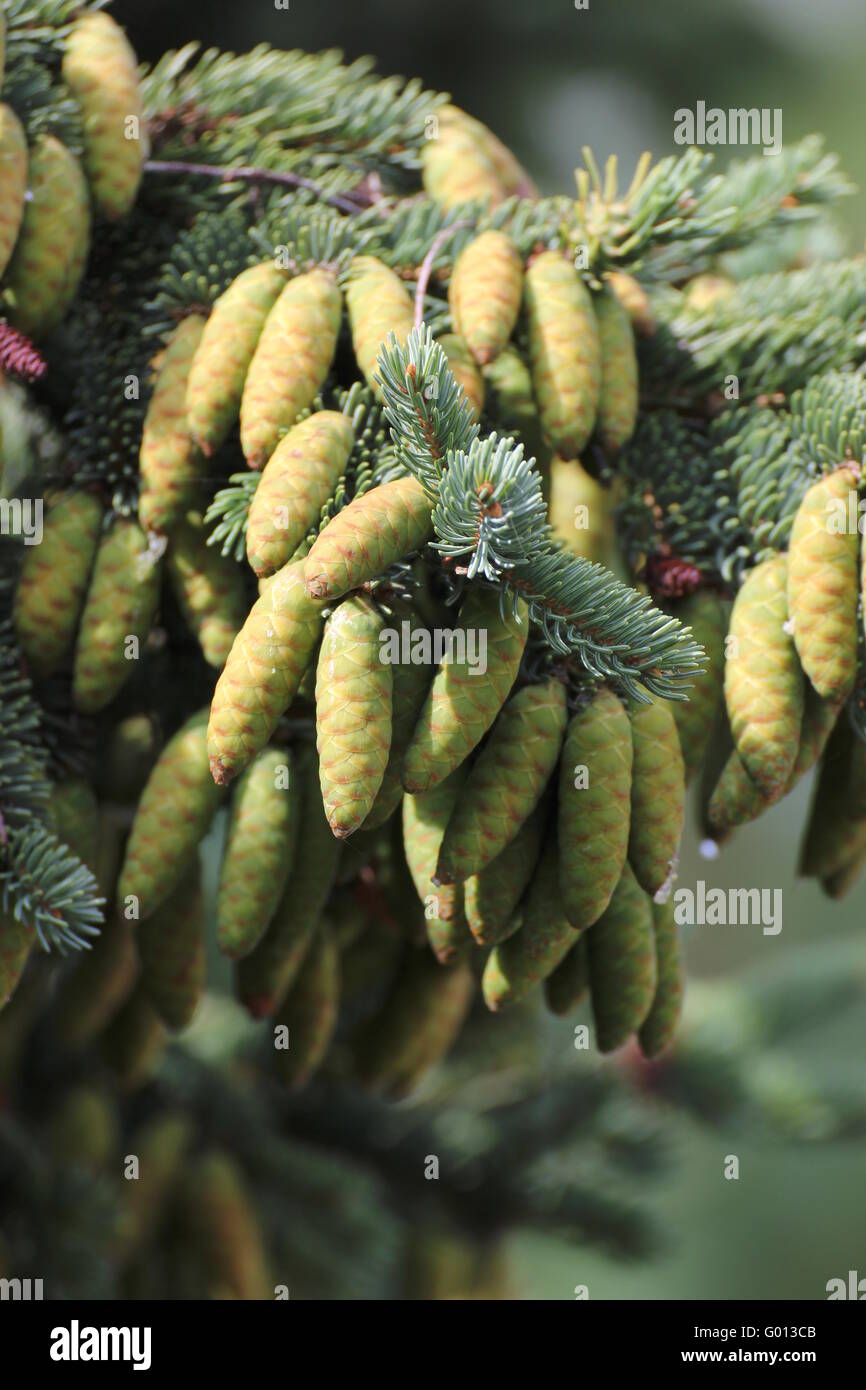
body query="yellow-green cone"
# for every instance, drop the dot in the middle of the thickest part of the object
(353, 713)
(291, 361)
(695, 717)
(568, 986)
(823, 558)
(411, 684)
(222, 359)
(259, 851)
(485, 292)
(581, 511)
(209, 589)
(170, 464)
(298, 478)
(491, 897)
(764, 687)
(457, 164)
(564, 352)
(225, 1225)
(48, 261)
(75, 818)
(545, 937)
(54, 578)
(263, 672)
(174, 813)
(463, 703)
(658, 794)
(100, 69)
(378, 304)
(13, 181)
(617, 403)
(594, 807)
(120, 608)
(375, 530)
(309, 1012)
(635, 300)
(424, 820)
(465, 371)
(660, 1024)
(506, 782)
(622, 965)
(417, 1025)
(171, 946)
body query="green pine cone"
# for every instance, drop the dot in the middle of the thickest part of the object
(463, 702)
(298, 479)
(545, 937)
(368, 536)
(764, 686)
(96, 986)
(485, 292)
(660, 1024)
(353, 713)
(704, 614)
(13, 181)
(171, 947)
(622, 964)
(595, 775)
(424, 820)
(54, 578)
(209, 589)
(617, 402)
(161, 1146)
(259, 851)
(378, 304)
(834, 832)
(133, 1042)
(491, 897)
(310, 1012)
(658, 794)
(411, 685)
(564, 352)
(464, 369)
(43, 276)
(16, 943)
(823, 585)
(458, 164)
(418, 1024)
(75, 817)
(170, 464)
(264, 976)
(837, 884)
(263, 672)
(118, 613)
(174, 813)
(223, 356)
(291, 361)
(224, 1222)
(568, 986)
(100, 69)
(506, 782)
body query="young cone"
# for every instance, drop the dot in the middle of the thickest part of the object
(545, 937)
(353, 713)
(764, 686)
(564, 352)
(595, 774)
(264, 976)
(259, 851)
(635, 300)
(411, 684)
(617, 402)
(99, 68)
(43, 276)
(568, 986)
(54, 578)
(227, 1230)
(120, 608)
(372, 533)
(417, 1025)
(174, 813)
(823, 586)
(222, 359)
(622, 965)
(660, 1024)
(16, 943)
(462, 704)
(13, 181)
(424, 820)
(264, 669)
(457, 165)
(465, 371)
(171, 946)
(209, 589)
(658, 794)
(491, 897)
(581, 512)
(291, 361)
(506, 782)
(378, 304)
(695, 717)
(133, 1042)
(170, 464)
(309, 1013)
(75, 818)
(298, 478)
(484, 294)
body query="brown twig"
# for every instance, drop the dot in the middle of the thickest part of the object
(251, 174)
(427, 267)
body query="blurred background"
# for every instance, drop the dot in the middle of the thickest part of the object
(550, 78)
